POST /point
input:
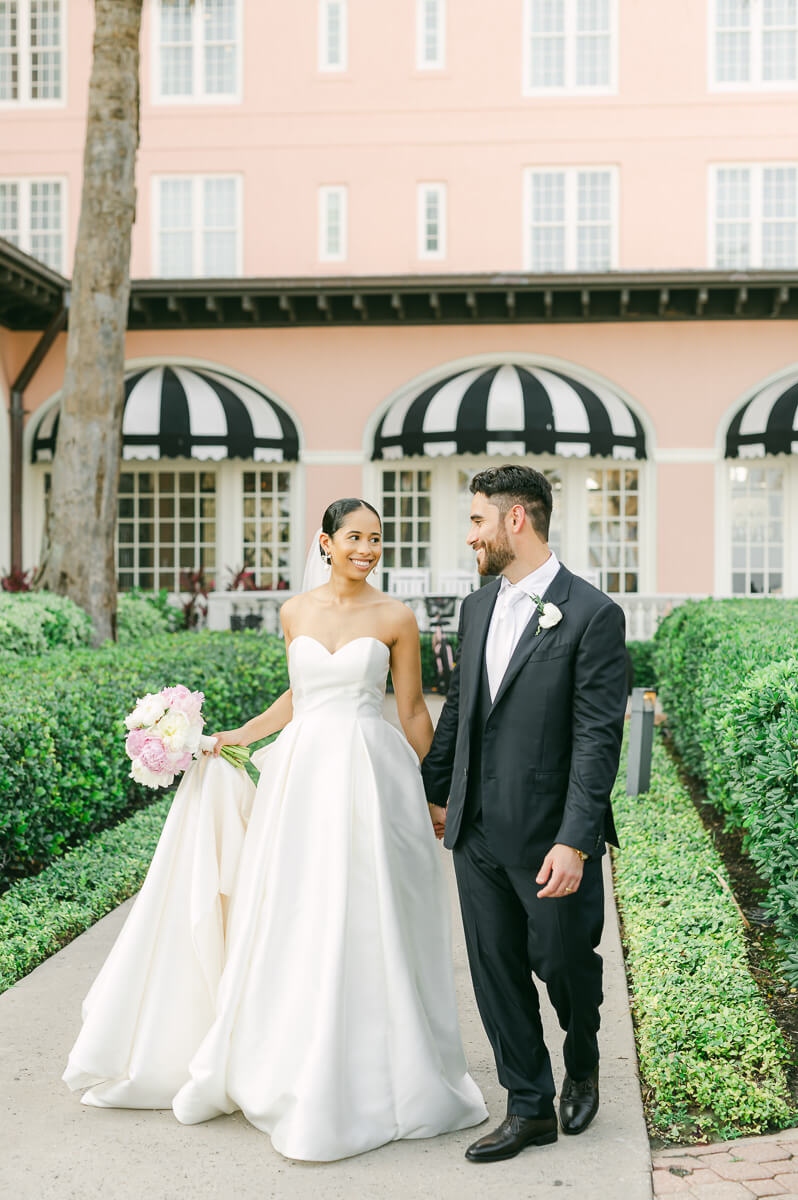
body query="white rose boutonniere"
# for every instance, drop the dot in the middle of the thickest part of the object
(550, 615)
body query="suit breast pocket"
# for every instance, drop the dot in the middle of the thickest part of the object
(556, 652)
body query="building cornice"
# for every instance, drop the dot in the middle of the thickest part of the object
(490, 299)
(31, 294)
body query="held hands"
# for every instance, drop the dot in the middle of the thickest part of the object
(562, 868)
(438, 818)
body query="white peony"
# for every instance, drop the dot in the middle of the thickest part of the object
(550, 616)
(148, 710)
(177, 733)
(144, 775)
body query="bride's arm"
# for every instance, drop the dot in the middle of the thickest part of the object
(275, 718)
(406, 674)
(272, 720)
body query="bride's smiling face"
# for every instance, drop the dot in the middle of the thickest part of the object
(355, 548)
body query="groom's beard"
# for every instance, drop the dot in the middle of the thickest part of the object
(497, 556)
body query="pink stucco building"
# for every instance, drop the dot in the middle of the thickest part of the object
(382, 244)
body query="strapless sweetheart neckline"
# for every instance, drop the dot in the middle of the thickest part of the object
(332, 653)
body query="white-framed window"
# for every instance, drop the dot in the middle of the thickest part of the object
(197, 51)
(570, 47)
(753, 44)
(197, 226)
(430, 35)
(571, 219)
(32, 51)
(754, 215)
(267, 505)
(613, 510)
(757, 529)
(603, 523)
(166, 526)
(333, 35)
(431, 220)
(33, 217)
(406, 519)
(332, 223)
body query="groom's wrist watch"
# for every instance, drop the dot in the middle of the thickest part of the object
(584, 857)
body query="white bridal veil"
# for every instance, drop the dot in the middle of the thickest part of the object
(317, 571)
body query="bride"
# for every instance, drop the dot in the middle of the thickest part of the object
(289, 953)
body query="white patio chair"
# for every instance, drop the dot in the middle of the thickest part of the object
(456, 583)
(408, 581)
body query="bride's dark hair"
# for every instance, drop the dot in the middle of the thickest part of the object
(339, 510)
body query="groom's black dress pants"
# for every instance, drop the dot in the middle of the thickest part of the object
(510, 933)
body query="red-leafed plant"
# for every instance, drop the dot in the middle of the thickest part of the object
(17, 580)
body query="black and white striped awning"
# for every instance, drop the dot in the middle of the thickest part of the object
(508, 410)
(191, 412)
(767, 423)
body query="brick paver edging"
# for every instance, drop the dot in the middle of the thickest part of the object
(739, 1170)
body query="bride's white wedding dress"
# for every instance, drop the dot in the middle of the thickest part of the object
(322, 1004)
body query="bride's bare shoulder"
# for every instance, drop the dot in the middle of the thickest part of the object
(398, 615)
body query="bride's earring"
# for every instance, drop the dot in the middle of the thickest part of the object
(328, 559)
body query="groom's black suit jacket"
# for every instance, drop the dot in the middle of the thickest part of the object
(551, 740)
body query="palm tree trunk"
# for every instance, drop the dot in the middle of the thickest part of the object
(78, 555)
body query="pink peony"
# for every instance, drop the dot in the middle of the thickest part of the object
(134, 743)
(184, 701)
(155, 757)
(182, 762)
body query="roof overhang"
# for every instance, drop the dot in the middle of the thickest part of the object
(30, 293)
(490, 299)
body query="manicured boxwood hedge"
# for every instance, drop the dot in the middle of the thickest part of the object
(704, 652)
(759, 733)
(38, 916)
(711, 1057)
(729, 678)
(63, 771)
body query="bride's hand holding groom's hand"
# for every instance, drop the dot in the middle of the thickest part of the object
(561, 872)
(438, 818)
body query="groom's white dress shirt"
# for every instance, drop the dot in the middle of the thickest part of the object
(512, 612)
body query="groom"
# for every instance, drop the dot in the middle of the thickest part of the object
(526, 751)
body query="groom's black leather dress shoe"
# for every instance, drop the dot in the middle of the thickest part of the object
(579, 1101)
(512, 1136)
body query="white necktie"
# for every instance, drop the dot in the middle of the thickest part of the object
(502, 636)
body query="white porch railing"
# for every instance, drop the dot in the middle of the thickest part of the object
(261, 611)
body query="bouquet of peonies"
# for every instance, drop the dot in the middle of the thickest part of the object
(166, 734)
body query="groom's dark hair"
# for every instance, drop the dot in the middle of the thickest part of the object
(509, 485)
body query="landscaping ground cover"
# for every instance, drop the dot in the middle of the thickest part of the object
(38, 916)
(64, 774)
(712, 1060)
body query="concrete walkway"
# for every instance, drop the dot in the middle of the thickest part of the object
(54, 1149)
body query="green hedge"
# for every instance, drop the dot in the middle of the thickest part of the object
(35, 622)
(38, 916)
(759, 737)
(729, 679)
(712, 1061)
(704, 652)
(429, 677)
(643, 669)
(63, 770)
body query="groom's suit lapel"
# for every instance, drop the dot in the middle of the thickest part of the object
(471, 668)
(531, 640)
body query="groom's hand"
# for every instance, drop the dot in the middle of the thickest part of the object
(561, 872)
(438, 818)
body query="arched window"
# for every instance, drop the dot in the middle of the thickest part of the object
(762, 475)
(579, 432)
(207, 479)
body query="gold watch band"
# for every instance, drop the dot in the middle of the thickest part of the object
(584, 857)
